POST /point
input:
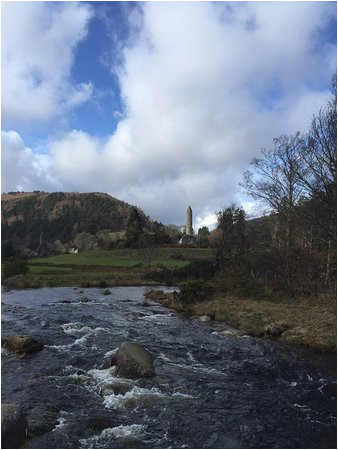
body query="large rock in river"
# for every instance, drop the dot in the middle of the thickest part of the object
(133, 361)
(23, 344)
(13, 426)
(41, 418)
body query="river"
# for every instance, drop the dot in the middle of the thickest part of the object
(210, 391)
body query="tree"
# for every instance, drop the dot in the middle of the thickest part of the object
(203, 235)
(134, 227)
(7, 249)
(320, 151)
(276, 179)
(319, 179)
(15, 267)
(134, 220)
(231, 223)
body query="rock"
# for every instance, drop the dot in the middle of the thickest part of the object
(23, 344)
(231, 333)
(66, 301)
(106, 292)
(115, 388)
(13, 426)
(146, 304)
(155, 295)
(275, 329)
(41, 418)
(204, 319)
(133, 361)
(84, 299)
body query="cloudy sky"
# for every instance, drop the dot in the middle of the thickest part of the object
(160, 104)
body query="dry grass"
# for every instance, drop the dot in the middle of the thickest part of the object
(17, 195)
(308, 322)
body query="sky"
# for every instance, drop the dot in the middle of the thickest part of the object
(160, 104)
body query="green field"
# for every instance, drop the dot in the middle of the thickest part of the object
(110, 267)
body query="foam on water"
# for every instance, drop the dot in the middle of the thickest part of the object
(198, 367)
(101, 375)
(61, 421)
(83, 332)
(78, 329)
(139, 395)
(135, 395)
(110, 353)
(158, 318)
(135, 431)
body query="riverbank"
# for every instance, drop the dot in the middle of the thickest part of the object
(308, 322)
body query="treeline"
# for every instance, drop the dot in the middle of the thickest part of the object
(294, 248)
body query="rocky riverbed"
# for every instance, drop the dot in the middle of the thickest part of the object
(211, 387)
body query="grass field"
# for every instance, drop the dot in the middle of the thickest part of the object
(109, 267)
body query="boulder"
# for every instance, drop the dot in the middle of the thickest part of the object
(23, 344)
(84, 299)
(13, 426)
(133, 361)
(41, 418)
(275, 329)
(106, 292)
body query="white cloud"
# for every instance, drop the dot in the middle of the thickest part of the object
(209, 221)
(38, 43)
(205, 86)
(21, 168)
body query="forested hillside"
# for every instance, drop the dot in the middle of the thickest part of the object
(32, 218)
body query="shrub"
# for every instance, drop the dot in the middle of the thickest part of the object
(7, 249)
(201, 269)
(15, 267)
(194, 291)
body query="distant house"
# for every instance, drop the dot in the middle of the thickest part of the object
(73, 250)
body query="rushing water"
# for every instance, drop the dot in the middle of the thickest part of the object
(211, 390)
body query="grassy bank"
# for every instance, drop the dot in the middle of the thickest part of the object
(120, 267)
(309, 322)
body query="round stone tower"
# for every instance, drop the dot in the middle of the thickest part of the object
(188, 226)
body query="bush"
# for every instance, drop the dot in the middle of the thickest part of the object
(7, 249)
(16, 267)
(195, 291)
(201, 269)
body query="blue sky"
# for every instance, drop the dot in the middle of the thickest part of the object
(161, 104)
(94, 58)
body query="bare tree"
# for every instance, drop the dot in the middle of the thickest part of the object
(319, 179)
(275, 179)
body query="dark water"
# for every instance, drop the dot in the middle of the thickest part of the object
(211, 390)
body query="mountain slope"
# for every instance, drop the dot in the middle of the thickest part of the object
(29, 218)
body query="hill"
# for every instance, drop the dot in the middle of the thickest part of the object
(39, 222)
